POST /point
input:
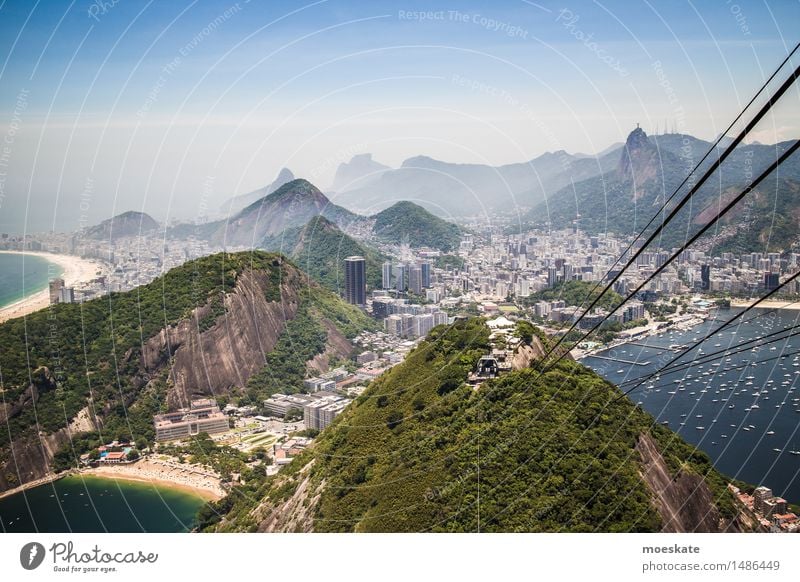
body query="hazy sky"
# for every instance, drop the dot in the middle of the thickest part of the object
(172, 107)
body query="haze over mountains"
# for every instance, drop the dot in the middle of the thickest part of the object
(648, 171)
(458, 190)
(618, 191)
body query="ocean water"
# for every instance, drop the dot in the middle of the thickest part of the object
(743, 410)
(95, 504)
(24, 275)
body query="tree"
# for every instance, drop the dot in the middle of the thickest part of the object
(293, 414)
(134, 455)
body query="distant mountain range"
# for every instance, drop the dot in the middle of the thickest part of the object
(616, 191)
(647, 172)
(266, 222)
(457, 190)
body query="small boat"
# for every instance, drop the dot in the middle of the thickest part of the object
(770, 432)
(700, 428)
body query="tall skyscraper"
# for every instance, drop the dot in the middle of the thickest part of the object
(386, 282)
(415, 279)
(771, 281)
(400, 275)
(705, 277)
(355, 280)
(426, 274)
(55, 290)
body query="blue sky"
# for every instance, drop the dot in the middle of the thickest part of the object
(144, 105)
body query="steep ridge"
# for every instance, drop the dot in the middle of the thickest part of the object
(291, 205)
(421, 450)
(221, 325)
(237, 203)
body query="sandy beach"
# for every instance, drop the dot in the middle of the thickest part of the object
(75, 270)
(166, 473)
(766, 304)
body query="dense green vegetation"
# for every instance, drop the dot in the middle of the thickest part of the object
(411, 223)
(92, 349)
(285, 368)
(89, 353)
(549, 453)
(576, 293)
(319, 248)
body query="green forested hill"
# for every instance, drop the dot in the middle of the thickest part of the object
(422, 451)
(320, 248)
(409, 222)
(60, 360)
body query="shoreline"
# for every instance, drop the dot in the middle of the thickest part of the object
(75, 270)
(185, 478)
(766, 304)
(33, 484)
(156, 473)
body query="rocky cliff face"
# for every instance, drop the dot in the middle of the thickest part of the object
(212, 351)
(224, 356)
(30, 458)
(683, 500)
(639, 161)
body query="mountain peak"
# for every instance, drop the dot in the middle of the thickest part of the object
(360, 170)
(639, 160)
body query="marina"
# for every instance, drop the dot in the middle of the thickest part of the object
(748, 401)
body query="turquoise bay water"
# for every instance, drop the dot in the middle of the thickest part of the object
(24, 275)
(95, 504)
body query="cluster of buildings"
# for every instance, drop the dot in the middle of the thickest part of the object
(502, 267)
(283, 452)
(401, 319)
(319, 408)
(59, 293)
(203, 415)
(770, 511)
(412, 277)
(125, 263)
(558, 311)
